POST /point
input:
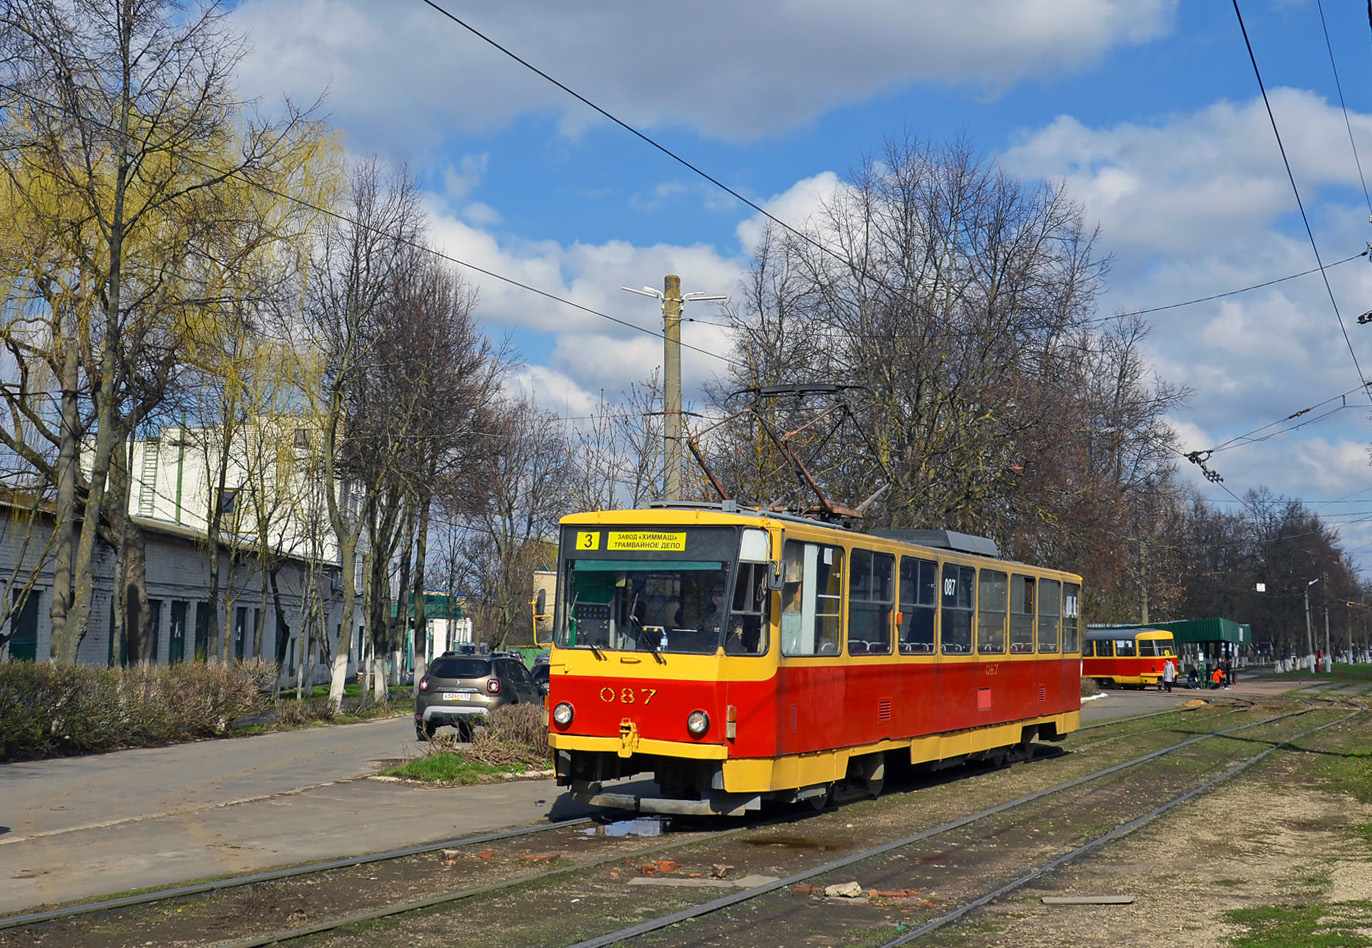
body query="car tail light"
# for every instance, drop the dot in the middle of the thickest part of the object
(424, 683)
(493, 686)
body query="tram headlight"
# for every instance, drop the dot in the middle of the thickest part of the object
(697, 722)
(563, 714)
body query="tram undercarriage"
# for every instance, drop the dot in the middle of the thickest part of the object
(694, 787)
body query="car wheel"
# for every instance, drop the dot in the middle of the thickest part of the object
(423, 732)
(464, 731)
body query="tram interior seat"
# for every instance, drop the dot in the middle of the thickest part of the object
(1021, 648)
(916, 648)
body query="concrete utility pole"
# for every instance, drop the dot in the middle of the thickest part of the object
(671, 375)
(1309, 634)
(1328, 656)
(671, 383)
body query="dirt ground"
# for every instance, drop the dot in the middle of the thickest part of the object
(1261, 842)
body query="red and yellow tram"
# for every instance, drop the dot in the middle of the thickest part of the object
(1127, 656)
(739, 656)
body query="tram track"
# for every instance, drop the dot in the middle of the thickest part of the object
(275, 875)
(1091, 845)
(635, 933)
(581, 867)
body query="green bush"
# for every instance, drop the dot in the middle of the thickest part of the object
(53, 709)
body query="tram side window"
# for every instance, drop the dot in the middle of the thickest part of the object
(1071, 594)
(1155, 647)
(1050, 609)
(957, 608)
(871, 602)
(918, 585)
(1124, 648)
(748, 612)
(811, 599)
(991, 598)
(1021, 615)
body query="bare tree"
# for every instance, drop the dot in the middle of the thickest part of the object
(946, 304)
(363, 256)
(619, 450)
(516, 532)
(120, 132)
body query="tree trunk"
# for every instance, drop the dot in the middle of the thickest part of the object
(419, 615)
(347, 555)
(64, 511)
(132, 563)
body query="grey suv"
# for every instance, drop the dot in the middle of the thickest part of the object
(462, 690)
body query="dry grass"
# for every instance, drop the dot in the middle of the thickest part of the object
(54, 709)
(514, 735)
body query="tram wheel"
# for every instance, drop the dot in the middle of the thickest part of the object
(874, 774)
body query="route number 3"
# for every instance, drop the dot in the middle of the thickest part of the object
(588, 540)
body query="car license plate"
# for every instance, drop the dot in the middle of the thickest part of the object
(458, 697)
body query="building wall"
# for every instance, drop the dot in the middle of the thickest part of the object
(177, 572)
(269, 470)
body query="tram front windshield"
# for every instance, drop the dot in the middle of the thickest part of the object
(674, 598)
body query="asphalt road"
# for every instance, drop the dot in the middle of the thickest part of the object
(86, 827)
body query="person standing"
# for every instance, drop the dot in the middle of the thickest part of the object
(1169, 675)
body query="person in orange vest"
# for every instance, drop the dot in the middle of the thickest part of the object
(1217, 679)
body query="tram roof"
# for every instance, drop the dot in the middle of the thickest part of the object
(1101, 633)
(1193, 630)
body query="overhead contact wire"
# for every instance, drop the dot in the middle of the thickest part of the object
(1290, 176)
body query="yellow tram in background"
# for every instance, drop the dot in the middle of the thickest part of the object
(1127, 657)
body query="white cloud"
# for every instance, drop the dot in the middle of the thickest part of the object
(552, 390)
(585, 352)
(732, 70)
(1196, 180)
(1199, 204)
(480, 214)
(462, 179)
(795, 206)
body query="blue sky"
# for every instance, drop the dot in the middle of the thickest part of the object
(1148, 110)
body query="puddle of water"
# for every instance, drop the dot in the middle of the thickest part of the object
(643, 826)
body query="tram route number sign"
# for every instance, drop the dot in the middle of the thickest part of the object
(642, 540)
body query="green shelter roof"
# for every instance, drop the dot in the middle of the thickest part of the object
(1197, 630)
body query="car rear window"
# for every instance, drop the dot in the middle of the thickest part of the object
(460, 668)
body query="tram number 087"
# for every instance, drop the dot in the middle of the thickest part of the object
(627, 695)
